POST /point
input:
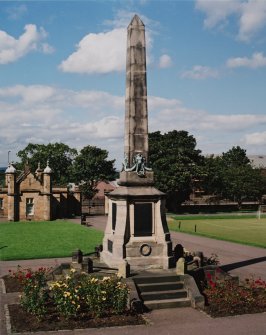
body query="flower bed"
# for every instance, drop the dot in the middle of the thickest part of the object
(227, 297)
(75, 301)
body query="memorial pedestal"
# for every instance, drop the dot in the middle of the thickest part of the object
(136, 229)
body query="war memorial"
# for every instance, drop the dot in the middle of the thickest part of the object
(136, 230)
(137, 248)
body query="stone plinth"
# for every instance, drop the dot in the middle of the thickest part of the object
(136, 229)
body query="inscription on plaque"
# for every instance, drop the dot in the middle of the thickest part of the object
(143, 219)
(114, 210)
(110, 246)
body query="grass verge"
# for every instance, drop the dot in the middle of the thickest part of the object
(49, 239)
(244, 230)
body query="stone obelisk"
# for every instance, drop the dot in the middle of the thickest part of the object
(136, 116)
(136, 229)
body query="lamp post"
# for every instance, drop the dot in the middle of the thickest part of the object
(8, 156)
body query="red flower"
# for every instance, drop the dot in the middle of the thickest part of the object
(28, 275)
(208, 275)
(212, 284)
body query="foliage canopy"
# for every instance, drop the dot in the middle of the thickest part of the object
(60, 158)
(91, 166)
(175, 160)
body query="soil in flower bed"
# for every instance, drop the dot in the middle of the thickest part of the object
(12, 284)
(21, 321)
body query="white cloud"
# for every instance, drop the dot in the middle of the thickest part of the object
(177, 115)
(105, 52)
(48, 114)
(165, 61)
(12, 49)
(257, 138)
(250, 15)
(200, 72)
(257, 60)
(98, 53)
(252, 19)
(217, 11)
(28, 94)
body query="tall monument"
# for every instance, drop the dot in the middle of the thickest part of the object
(136, 229)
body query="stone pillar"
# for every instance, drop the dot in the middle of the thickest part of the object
(136, 115)
(12, 203)
(47, 193)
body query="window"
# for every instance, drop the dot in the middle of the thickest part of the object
(1, 203)
(29, 206)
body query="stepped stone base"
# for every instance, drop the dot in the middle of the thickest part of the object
(158, 291)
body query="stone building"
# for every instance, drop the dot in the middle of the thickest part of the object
(31, 196)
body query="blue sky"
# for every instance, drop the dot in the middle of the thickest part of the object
(62, 72)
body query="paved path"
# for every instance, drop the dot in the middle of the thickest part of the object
(182, 321)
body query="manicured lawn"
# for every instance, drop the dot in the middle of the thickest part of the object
(240, 229)
(29, 240)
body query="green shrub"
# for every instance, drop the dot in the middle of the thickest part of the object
(73, 295)
(35, 294)
(88, 294)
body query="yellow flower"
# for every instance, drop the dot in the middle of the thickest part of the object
(73, 302)
(67, 277)
(106, 278)
(73, 270)
(103, 298)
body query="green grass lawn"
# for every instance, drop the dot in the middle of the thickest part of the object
(30, 240)
(240, 229)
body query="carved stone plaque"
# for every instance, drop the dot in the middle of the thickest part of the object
(143, 219)
(114, 210)
(110, 246)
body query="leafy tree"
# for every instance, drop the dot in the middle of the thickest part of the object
(232, 176)
(91, 166)
(240, 179)
(212, 178)
(175, 161)
(60, 158)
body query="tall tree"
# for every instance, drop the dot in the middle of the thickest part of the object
(233, 177)
(60, 158)
(175, 161)
(91, 166)
(240, 180)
